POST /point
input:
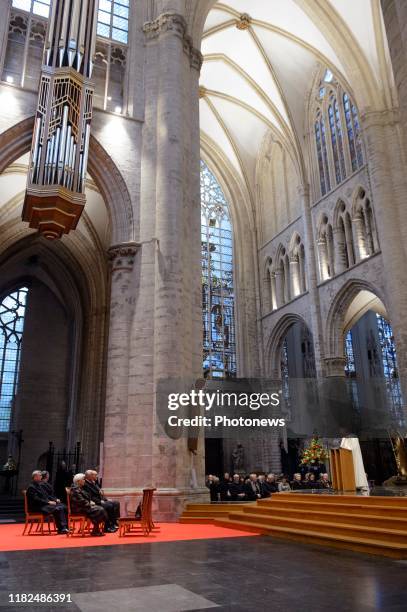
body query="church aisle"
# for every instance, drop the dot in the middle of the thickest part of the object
(238, 574)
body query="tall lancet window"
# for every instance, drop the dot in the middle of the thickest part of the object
(113, 19)
(390, 368)
(337, 134)
(12, 312)
(218, 295)
(37, 7)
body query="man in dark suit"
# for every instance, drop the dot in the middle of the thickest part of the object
(224, 484)
(81, 503)
(297, 483)
(236, 489)
(111, 507)
(252, 488)
(271, 485)
(39, 500)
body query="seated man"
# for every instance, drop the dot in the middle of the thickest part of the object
(236, 489)
(297, 482)
(47, 486)
(324, 482)
(81, 503)
(111, 507)
(252, 488)
(39, 500)
(270, 484)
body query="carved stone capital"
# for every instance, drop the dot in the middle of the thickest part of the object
(172, 23)
(195, 56)
(335, 366)
(122, 256)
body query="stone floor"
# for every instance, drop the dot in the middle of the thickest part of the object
(239, 574)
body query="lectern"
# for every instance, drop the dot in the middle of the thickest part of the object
(342, 470)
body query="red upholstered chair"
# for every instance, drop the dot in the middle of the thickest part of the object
(145, 525)
(38, 519)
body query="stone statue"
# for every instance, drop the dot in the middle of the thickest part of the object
(238, 458)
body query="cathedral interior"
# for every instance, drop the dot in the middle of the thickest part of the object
(200, 189)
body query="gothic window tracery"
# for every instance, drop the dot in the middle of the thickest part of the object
(389, 361)
(337, 134)
(218, 311)
(12, 313)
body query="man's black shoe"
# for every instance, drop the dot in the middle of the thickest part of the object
(63, 531)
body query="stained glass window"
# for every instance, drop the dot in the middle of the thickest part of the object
(350, 367)
(322, 155)
(334, 142)
(38, 7)
(113, 20)
(353, 130)
(389, 359)
(12, 312)
(218, 296)
(285, 379)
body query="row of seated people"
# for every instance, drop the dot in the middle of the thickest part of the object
(253, 486)
(86, 499)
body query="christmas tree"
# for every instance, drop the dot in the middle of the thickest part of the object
(314, 454)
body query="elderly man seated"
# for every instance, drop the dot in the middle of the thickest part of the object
(111, 507)
(81, 503)
(39, 499)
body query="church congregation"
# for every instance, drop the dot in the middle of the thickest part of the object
(238, 488)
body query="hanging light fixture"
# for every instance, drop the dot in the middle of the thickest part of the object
(55, 196)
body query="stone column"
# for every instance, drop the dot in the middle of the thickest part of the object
(311, 265)
(4, 21)
(165, 347)
(360, 238)
(387, 174)
(323, 258)
(279, 276)
(340, 250)
(122, 259)
(395, 21)
(295, 283)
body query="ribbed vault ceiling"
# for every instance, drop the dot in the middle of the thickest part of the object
(258, 72)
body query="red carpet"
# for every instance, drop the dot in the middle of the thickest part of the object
(11, 537)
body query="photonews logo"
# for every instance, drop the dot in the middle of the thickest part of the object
(218, 407)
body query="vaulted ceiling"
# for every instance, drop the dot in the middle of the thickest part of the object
(261, 59)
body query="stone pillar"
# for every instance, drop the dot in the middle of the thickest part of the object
(360, 238)
(295, 282)
(311, 264)
(323, 258)
(340, 250)
(395, 21)
(122, 259)
(165, 352)
(4, 21)
(387, 176)
(279, 276)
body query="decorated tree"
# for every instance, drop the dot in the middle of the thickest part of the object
(315, 454)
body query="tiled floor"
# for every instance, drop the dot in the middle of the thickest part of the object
(238, 574)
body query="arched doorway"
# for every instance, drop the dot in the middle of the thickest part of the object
(371, 369)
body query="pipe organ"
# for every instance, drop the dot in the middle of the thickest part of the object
(55, 196)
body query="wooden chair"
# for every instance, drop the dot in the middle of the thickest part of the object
(145, 524)
(38, 519)
(85, 523)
